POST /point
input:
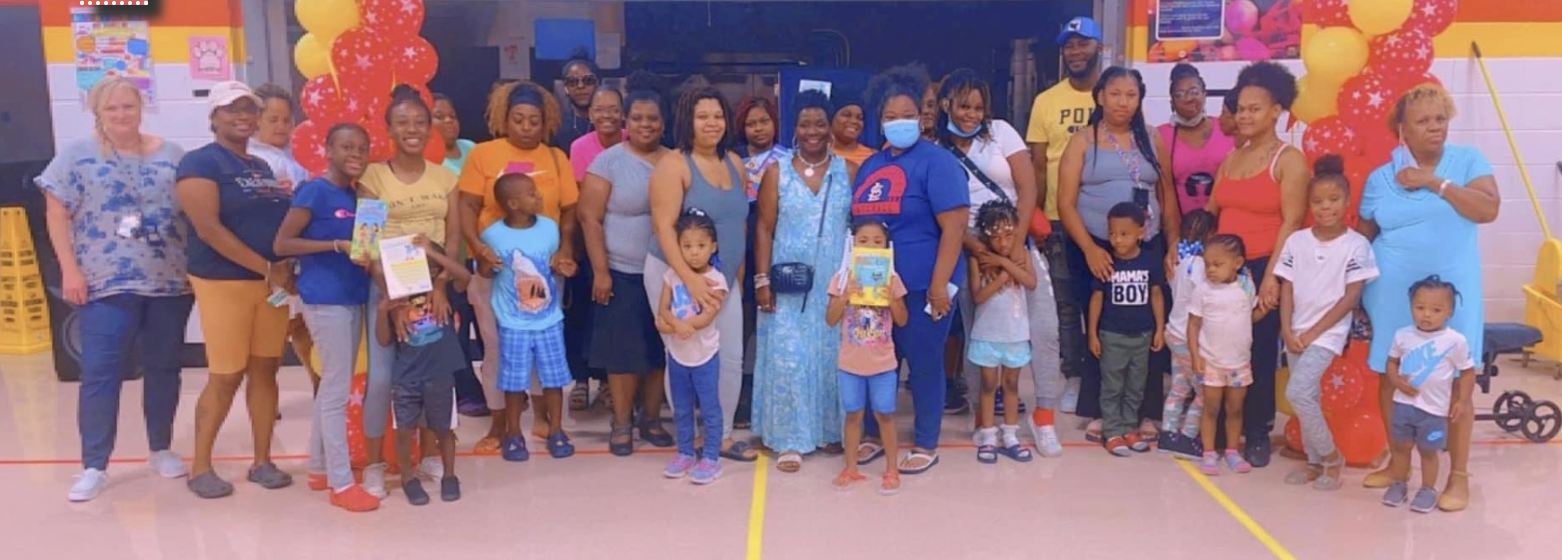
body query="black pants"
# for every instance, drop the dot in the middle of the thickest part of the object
(1258, 410)
(468, 388)
(577, 325)
(1089, 405)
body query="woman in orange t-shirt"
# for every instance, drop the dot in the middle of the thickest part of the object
(1261, 196)
(522, 116)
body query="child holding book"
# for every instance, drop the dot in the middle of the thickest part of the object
(692, 347)
(1000, 332)
(1433, 373)
(427, 354)
(526, 305)
(1126, 321)
(869, 370)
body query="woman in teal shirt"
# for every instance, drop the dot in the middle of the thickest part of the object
(1421, 212)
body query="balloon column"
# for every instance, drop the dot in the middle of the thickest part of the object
(354, 53)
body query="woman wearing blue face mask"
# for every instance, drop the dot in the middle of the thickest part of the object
(918, 189)
(998, 167)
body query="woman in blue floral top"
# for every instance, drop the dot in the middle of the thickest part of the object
(120, 239)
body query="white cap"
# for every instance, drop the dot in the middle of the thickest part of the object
(225, 93)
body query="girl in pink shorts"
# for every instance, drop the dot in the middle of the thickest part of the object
(1220, 339)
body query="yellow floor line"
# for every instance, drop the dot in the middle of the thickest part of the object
(1236, 512)
(756, 511)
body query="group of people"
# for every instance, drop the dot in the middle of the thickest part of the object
(1100, 254)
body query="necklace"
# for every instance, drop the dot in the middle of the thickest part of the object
(810, 166)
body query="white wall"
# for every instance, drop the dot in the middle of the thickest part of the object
(1533, 104)
(178, 114)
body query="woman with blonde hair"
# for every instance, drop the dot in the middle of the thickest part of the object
(522, 116)
(115, 227)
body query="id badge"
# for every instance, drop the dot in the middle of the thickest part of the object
(278, 298)
(129, 226)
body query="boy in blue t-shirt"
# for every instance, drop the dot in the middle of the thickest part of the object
(1127, 321)
(526, 305)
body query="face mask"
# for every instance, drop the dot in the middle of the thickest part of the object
(1188, 123)
(903, 133)
(955, 130)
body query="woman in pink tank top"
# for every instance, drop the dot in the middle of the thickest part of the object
(1261, 196)
(1197, 145)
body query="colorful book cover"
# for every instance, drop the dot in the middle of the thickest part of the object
(872, 268)
(405, 266)
(368, 222)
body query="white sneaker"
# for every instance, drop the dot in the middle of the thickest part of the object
(1070, 395)
(1046, 440)
(374, 480)
(432, 468)
(89, 484)
(167, 464)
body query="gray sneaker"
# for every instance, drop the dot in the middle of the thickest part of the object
(210, 487)
(270, 477)
(1425, 502)
(1396, 495)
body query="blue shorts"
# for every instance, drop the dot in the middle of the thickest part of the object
(857, 391)
(1428, 431)
(985, 354)
(522, 351)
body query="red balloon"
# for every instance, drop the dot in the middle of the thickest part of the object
(322, 100)
(1329, 135)
(415, 61)
(1374, 144)
(1293, 435)
(1359, 434)
(1402, 54)
(1342, 385)
(393, 18)
(380, 146)
(309, 147)
(434, 148)
(1431, 16)
(1329, 13)
(1365, 100)
(362, 60)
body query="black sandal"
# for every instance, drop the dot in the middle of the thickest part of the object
(648, 432)
(739, 452)
(621, 442)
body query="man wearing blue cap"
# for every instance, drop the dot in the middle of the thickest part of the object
(1056, 115)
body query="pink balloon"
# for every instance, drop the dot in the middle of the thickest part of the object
(1241, 17)
(1252, 50)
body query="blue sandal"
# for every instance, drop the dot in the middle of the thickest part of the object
(739, 452)
(1017, 452)
(987, 455)
(560, 447)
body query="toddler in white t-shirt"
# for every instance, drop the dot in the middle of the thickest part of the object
(1433, 375)
(1322, 270)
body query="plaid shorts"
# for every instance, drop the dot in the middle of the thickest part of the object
(521, 351)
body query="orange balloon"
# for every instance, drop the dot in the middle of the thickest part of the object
(434, 149)
(1293, 435)
(1359, 434)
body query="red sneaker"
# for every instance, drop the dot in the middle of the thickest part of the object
(355, 499)
(318, 482)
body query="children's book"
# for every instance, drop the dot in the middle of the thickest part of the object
(872, 269)
(368, 222)
(405, 266)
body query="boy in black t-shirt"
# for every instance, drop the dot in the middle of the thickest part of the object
(1127, 321)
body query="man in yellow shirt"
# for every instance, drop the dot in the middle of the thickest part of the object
(1056, 114)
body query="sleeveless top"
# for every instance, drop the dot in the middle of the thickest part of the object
(728, 208)
(1250, 208)
(1108, 179)
(1194, 169)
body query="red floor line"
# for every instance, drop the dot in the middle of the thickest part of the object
(588, 452)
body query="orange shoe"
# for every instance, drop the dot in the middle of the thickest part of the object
(489, 445)
(318, 482)
(355, 499)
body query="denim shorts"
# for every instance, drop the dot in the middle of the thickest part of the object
(985, 354)
(1428, 431)
(858, 391)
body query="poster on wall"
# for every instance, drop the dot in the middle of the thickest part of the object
(112, 46)
(209, 58)
(1220, 30)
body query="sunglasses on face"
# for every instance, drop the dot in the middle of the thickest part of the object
(580, 81)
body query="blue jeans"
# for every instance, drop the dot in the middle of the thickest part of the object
(693, 387)
(921, 344)
(859, 392)
(108, 327)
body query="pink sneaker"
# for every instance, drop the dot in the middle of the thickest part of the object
(1210, 464)
(1235, 462)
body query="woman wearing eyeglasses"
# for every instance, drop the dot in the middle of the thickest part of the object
(1196, 144)
(580, 83)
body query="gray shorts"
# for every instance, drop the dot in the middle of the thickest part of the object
(1428, 431)
(430, 400)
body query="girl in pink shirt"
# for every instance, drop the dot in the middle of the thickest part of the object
(1196, 143)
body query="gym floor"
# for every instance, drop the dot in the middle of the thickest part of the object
(1086, 504)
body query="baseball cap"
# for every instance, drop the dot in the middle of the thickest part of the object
(225, 93)
(1081, 26)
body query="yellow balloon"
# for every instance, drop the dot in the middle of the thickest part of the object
(312, 57)
(1379, 17)
(1315, 101)
(1283, 404)
(1334, 54)
(327, 18)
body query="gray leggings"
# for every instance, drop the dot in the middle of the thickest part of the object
(1303, 391)
(1045, 358)
(337, 330)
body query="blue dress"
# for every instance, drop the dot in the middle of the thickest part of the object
(796, 393)
(1420, 234)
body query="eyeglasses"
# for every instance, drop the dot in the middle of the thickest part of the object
(1186, 93)
(581, 81)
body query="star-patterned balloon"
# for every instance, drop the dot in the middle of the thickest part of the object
(1432, 16)
(322, 101)
(1329, 13)
(1365, 99)
(1329, 135)
(1402, 54)
(309, 146)
(362, 59)
(393, 18)
(414, 60)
